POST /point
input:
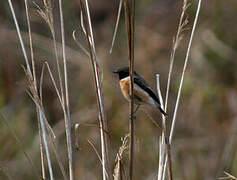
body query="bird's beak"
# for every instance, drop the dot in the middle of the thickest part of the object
(115, 71)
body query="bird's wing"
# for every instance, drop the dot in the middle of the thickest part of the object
(142, 83)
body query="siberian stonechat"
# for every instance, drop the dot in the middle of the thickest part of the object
(143, 93)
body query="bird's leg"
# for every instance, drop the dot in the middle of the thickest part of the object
(134, 112)
(136, 108)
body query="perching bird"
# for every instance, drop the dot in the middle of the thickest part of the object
(143, 93)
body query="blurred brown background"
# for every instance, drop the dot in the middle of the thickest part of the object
(205, 134)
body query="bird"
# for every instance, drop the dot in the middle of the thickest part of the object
(142, 92)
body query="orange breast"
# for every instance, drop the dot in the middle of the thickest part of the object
(124, 84)
(139, 95)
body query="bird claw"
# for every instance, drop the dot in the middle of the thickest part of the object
(132, 117)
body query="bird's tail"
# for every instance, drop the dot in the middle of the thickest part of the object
(162, 111)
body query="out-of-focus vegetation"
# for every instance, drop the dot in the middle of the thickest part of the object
(204, 142)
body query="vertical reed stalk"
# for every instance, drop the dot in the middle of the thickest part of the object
(42, 156)
(34, 92)
(129, 6)
(182, 77)
(87, 29)
(184, 70)
(116, 25)
(164, 142)
(67, 108)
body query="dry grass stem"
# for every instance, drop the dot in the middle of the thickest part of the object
(184, 67)
(152, 119)
(116, 25)
(52, 136)
(162, 139)
(228, 177)
(79, 44)
(164, 143)
(34, 92)
(20, 37)
(47, 15)
(181, 27)
(118, 175)
(129, 6)
(30, 41)
(87, 29)
(67, 114)
(182, 24)
(98, 155)
(76, 134)
(5, 170)
(58, 158)
(44, 132)
(42, 156)
(55, 86)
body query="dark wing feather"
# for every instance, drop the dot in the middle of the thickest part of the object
(142, 83)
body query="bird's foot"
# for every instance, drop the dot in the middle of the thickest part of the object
(132, 117)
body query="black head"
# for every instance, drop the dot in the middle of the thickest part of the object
(123, 72)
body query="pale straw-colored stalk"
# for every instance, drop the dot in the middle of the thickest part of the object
(182, 78)
(42, 156)
(67, 108)
(30, 78)
(163, 143)
(184, 70)
(116, 25)
(87, 29)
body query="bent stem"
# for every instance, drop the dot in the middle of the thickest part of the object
(164, 141)
(184, 70)
(34, 92)
(182, 77)
(42, 155)
(87, 29)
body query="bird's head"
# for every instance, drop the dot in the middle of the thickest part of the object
(123, 72)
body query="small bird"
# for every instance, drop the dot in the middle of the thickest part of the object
(143, 93)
